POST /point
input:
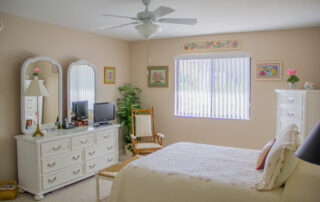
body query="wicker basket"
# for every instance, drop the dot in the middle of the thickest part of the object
(8, 194)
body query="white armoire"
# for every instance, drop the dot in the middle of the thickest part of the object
(300, 107)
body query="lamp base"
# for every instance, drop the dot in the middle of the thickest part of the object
(37, 132)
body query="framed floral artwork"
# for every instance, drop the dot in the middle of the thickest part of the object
(268, 70)
(158, 76)
(109, 75)
(212, 45)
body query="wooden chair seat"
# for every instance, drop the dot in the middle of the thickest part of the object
(147, 145)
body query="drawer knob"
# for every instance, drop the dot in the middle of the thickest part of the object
(51, 164)
(92, 152)
(75, 157)
(110, 147)
(92, 166)
(52, 180)
(76, 171)
(83, 141)
(290, 114)
(56, 148)
(110, 159)
(106, 136)
(291, 99)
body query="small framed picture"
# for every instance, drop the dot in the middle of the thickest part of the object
(158, 76)
(268, 70)
(109, 75)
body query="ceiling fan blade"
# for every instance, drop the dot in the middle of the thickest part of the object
(114, 26)
(162, 11)
(119, 16)
(185, 21)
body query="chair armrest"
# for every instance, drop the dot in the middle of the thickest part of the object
(161, 135)
(133, 137)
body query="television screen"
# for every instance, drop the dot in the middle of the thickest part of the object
(104, 112)
(80, 109)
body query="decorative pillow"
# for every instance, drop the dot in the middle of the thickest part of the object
(281, 160)
(263, 155)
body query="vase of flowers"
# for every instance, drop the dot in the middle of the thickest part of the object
(35, 73)
(293, 79)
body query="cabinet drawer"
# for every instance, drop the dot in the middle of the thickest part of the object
(100, 163)
(291, 113)
(82, 141)
(54, 163)
(55, 147)
(105, 136)
(291, 99)
(62, 176)
(95, 151)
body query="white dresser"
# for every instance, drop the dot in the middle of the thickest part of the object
(300, 107)
(63, 157)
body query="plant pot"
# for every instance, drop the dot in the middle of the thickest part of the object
(292, 85)
(127, 151)
(35, 77)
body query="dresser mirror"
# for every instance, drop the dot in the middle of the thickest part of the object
(48, 108)
(81, 86)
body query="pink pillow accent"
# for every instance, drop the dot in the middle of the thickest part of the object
(263, 155)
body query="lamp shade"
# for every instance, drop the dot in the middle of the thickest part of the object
(36, 88)
(310, 149)
(147, 29)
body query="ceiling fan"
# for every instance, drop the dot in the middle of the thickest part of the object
(145, 20)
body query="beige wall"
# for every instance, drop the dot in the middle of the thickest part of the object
(22, 39)
(298, 49)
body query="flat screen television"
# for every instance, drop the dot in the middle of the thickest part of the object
(103, 112)
(80, 109)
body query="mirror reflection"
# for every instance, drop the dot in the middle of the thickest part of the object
(82, 92)
(48, 106)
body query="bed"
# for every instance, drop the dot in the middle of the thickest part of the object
(191, 172)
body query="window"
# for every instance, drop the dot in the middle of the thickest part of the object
(216, 86)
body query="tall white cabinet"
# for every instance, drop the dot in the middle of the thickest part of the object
(300, 107)
(63, 157)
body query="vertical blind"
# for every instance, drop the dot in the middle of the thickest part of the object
(83, 85)
(213, 87)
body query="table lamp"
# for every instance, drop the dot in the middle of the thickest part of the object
(36, 88)
(310, 149)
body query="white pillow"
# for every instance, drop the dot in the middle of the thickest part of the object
(281, 160)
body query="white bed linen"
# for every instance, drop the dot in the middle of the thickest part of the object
(190, 172)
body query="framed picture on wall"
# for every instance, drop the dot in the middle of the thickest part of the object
(158, 76)
(109, 75)
(268, 70)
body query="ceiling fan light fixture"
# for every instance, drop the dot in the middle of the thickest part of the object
(147, 30)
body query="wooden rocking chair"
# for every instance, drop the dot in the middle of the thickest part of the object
(143, 137)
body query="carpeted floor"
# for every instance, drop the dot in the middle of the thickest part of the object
(82, 191)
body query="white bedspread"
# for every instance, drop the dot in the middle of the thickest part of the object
(184, 172)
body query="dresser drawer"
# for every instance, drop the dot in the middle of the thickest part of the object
(105, 136)
(96, 164)
(291, 113)
(82, 141)
(291, 99)
(62, 176)
(55, 147)
(285, 123)
(96, 151)
(61, 161)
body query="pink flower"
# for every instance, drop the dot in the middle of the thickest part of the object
(37, 69)
(291, 71)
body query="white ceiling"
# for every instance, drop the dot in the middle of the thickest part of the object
(214, 16)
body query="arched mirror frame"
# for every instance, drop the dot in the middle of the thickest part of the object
(79, 62)
(23, 70)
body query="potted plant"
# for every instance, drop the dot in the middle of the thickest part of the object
(129, 99)
(35, 73)
(293, 79)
